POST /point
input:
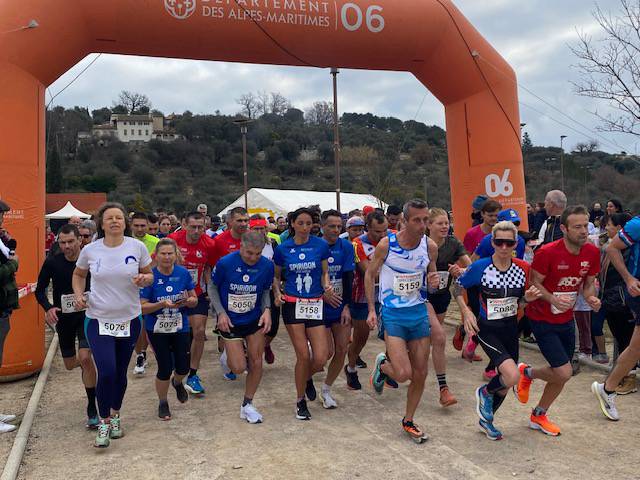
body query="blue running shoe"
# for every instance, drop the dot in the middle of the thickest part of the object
(93, 422)
(229, 376)
(193, 385)
(391, 383)
(378, 378)
(484, 404)
(490, 431)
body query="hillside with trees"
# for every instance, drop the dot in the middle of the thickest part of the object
(293, 149)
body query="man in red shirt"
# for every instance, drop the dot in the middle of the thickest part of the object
(198, 256)
(229, 240)
(559, 270)
(474, 235)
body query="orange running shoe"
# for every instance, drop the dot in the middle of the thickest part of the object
(458, 338)
(446, 398)
(542, 423)
(414, 431)
(521, 390)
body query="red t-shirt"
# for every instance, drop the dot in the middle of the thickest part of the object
(226, 244)
(196, 256)
(564, 274)
(473, 238)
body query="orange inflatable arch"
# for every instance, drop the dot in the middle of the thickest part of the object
(42, 39)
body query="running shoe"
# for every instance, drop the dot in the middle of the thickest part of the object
(249, 413)
(140, 365)
(229, 376)
(103, 435)
(360, 363)
(353, 383)
(390, 382)
(607, 401)
(484, 404)
(7, 418)
(93, 422)
(6, 427)
(627, 385)
(446, 397)
(310, 391)
(163, 411)
(378, 378)
(302, 412)
(521, 390)
(414, 431)
(328, 401)
(601, 358)
(529, 339)
(490, 431)
(181, 393)
(476, 358)
(458, 338)
(542, 423)
(269, 357)
(194, 386)
(115, 430)
(489, 374)
(469, 351)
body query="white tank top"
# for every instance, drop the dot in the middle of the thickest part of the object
(403, 275)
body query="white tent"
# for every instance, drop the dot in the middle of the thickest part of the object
(67, 211)
(280, 202)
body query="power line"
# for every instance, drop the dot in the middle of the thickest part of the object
(74, 78)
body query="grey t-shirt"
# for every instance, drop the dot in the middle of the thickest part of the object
(449, 253)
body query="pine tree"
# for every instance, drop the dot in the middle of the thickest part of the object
(527, 144)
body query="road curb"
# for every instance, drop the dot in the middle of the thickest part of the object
(532, 346)
(12, 466)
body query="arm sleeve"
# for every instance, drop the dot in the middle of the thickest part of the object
(44, 277)
(630, 233)
(266, 300)
(541, 262)
(472, 275)
(277, 256)
(216, 301)
(347, 287)
(145, 258)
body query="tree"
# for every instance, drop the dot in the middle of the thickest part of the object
(325, 152)
(586, 147)
(101, 115)
(527, 144)
(321, 113)
(610, 68)
(278, 103)
(249, 104)
(263, 102)
(54, 172)
(143, 176)
(133, 102)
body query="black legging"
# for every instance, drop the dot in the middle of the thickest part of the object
(172, 353)
(621, 325)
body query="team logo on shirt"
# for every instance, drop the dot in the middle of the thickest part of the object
(330, 260)
(569, 282)
(245, 278)
(302, 256)
(563, 266)
(293, 250)
(584, 268)
(239, 270)
(130, 258)
(160, 281)
(199, 254)
(169, 288)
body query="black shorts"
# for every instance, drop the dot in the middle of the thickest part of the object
(202, 308)
(70, 327)
(289, 317)
(171, 351)
(238, 332)
(557, 342)
(440, 301)
(499, 340)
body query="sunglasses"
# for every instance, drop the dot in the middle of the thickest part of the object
(499, 242)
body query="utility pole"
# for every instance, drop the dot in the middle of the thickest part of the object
(336, 134)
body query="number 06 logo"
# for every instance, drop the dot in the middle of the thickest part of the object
(496, 186)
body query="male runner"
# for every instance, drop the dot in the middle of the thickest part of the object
(337, 317)
(558, 270)
(364, 246)
(240, 294)
(63, 314)
(406, 263)
(199, 256)
(628, 237)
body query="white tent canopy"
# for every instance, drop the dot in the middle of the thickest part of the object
(67, 211)
(280, 202)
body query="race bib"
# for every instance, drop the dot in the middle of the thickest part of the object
(405, 284)
(194, 276)
(110, 329)
(571, 296)
(443, 280)
(308, 309)
(168, 322)
(242, 303)
(68, 303)
(499, 308)
(336, 283)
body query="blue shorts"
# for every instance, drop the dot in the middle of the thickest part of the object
(634, 305)
(409, 323)
(202, 308)
(360, 311)
(557, 342)
(440, 301)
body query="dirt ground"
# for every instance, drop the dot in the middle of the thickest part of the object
(360, 439)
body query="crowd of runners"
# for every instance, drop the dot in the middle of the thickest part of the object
(124, 283)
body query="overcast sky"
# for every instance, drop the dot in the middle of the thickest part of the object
(533, 36)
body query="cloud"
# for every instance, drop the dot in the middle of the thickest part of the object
(534, 36)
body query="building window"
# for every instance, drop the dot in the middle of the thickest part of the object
(146, 132)
(125, 132)
(125, 123)
(139, 132)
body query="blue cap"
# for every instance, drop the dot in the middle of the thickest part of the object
(355, 222)
(508, 215)
(478, 202)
